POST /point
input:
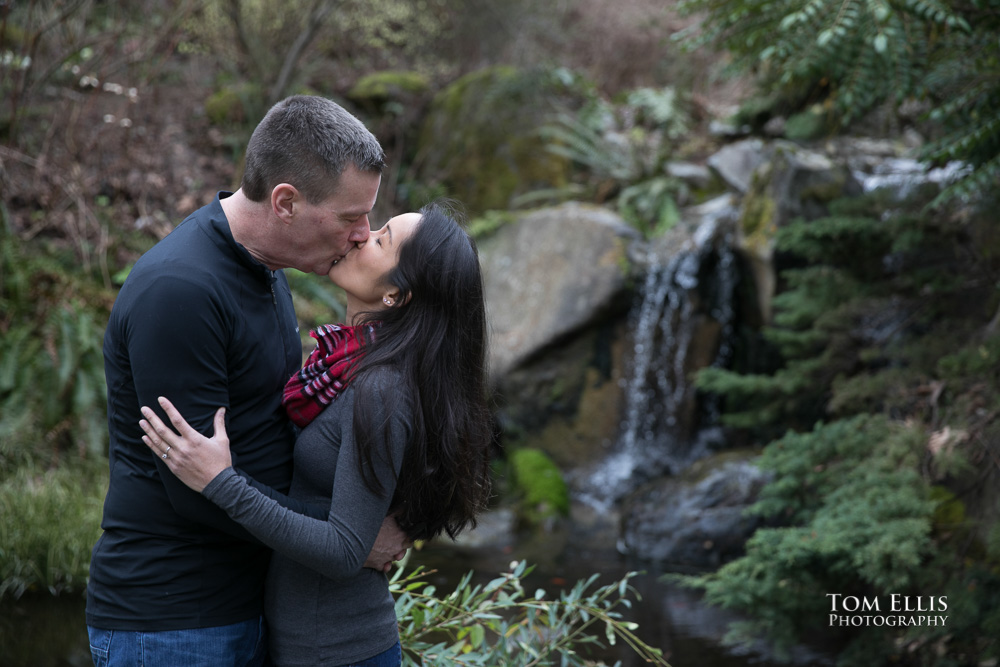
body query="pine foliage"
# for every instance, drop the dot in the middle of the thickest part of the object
(888, 390)
(859, 520)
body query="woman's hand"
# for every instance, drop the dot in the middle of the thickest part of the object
(193, 458)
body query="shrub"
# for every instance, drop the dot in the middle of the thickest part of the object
(49, 521)
(500, 624)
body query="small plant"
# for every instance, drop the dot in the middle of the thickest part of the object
(622, 150)
(500, 624)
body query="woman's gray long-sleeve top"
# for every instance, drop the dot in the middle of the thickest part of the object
(322, 606)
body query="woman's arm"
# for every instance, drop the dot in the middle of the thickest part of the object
(336, 547)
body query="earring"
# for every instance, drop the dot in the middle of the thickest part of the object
(386, 301)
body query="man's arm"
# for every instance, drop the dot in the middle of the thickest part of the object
(177, 339)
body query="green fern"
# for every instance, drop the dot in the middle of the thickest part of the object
(621, 153)
(52, 385)
(865, 51)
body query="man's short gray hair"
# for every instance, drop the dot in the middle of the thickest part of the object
(307, 141)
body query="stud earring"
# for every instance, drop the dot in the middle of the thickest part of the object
(386, 301)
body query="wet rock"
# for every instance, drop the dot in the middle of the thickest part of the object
(697, 518)
(695, 176)
(735, 163)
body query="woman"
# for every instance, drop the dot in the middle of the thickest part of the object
(395, 422)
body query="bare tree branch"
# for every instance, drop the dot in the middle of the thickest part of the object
(235, 12)
(317, 15)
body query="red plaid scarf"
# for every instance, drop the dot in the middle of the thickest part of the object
(327, 370)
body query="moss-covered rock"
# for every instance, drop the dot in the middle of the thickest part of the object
(232, 104)
(539, 486)
(379, 91)
(481, 140)
(758, 219)
(568, 403)
(813, 123)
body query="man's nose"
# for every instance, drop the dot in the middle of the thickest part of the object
(361, 231)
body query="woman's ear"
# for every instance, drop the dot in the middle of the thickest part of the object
(392, 298)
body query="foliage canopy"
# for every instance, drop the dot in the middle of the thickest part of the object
(851, 56)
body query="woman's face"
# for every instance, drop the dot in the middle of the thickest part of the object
(360, 273)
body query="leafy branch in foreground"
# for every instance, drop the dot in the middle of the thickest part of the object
(499, 624)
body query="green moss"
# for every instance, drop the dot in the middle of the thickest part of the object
(808, 125)
(950, 511)
(231, 104)
(539, 485)
(757, 220)
(13, 36)
(390, 84)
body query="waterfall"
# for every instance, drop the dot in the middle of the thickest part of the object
(684, 295)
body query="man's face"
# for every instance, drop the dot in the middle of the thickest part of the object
(327, 231)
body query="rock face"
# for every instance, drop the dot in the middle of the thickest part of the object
(697, 518)
(567, 352)
(780, 182)
(557, 289)
(550, 274)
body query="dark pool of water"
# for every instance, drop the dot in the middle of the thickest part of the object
(39, 630)
(45, 631)
(670, 617)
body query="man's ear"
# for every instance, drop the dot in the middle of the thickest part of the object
(284, 200)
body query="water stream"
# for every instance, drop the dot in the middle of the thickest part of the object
(663, 429)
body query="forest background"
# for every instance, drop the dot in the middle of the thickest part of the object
(119, 118)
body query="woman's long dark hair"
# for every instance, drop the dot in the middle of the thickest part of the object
(435, 338)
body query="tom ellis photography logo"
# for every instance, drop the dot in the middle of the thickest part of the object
(888, 610)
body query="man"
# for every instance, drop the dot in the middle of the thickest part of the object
(206, 319)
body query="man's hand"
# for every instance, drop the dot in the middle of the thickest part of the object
(390, 545)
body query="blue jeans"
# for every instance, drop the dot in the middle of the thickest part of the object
(391, 658)
(236, 645)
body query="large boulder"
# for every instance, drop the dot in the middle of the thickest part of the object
(557, 289)
(550, 274)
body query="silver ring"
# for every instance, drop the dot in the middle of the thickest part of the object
(167, 450)
(163, 455)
